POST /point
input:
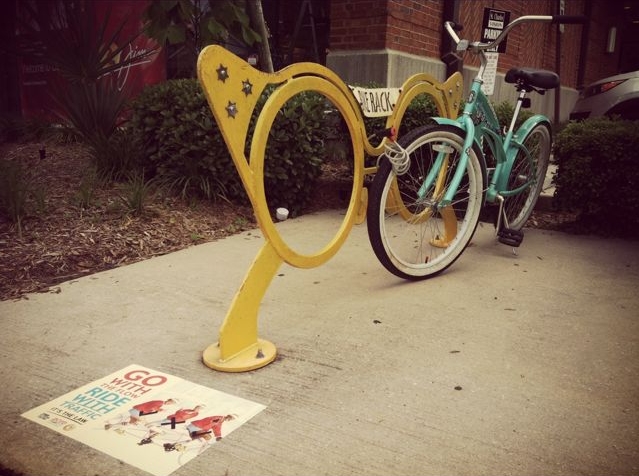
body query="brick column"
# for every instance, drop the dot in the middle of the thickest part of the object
(384, 41)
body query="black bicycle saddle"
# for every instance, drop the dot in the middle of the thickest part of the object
(531, 78)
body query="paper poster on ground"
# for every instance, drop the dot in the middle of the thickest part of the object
(149, 419)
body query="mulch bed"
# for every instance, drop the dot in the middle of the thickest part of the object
(61, 240)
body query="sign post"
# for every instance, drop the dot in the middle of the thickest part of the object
(493, 24)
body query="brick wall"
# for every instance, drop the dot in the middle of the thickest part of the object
(415, 27)
(411, 26)
(534, 41)
(358, 24)
(600, 64)
(533, 44)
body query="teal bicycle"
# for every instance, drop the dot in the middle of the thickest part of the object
(432, 184)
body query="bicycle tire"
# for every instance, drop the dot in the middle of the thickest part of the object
(412, 238)
(519, 207)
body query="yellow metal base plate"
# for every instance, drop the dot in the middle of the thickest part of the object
(254, 357)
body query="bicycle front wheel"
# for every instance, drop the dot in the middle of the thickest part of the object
(411, 234)
(529, 169)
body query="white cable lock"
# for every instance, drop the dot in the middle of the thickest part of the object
(398, 157)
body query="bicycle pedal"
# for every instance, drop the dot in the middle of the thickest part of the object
(510, 237)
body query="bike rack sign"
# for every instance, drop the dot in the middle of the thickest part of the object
(493, 24)
(376, 102)
(490, 73)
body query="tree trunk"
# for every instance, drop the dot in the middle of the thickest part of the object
(256, 15)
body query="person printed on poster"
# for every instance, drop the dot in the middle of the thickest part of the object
(177, 418)
(140, 410)
(201, 430)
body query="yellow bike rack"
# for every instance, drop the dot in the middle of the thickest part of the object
(233, 88)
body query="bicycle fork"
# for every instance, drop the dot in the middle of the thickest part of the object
(442, 194)
(460, 168)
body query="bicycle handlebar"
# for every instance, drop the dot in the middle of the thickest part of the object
(568, 19)
(462, 45)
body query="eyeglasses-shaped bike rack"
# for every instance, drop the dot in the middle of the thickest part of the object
(233, 89)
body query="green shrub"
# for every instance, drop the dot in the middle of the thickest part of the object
(16, 129)
(84, 197)
(115, 157)
(15, 188)
(136, 191)
(597, 175)
(296, 150)
(418, 112)
(183, 148)
(505, 111)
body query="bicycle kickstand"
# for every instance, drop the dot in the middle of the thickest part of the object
(507, 235)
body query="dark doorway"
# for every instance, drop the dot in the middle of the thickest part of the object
(629, 37)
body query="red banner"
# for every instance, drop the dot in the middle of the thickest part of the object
(36, 77)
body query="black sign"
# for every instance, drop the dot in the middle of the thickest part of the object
(494, 23)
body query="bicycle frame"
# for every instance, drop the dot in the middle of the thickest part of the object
(427, 197)
(479, 124)
(504, 147)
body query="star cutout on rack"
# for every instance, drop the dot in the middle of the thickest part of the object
(222, 73)
(247, 87)
(231, 109)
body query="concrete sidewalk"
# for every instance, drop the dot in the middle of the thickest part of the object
(520, 364)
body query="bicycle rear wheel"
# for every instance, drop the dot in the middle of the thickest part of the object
(412, 236)
(518, 208)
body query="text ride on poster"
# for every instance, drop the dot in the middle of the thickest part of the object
(149, 419)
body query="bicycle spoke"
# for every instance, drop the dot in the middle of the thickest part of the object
(528, 173)
(412, 235)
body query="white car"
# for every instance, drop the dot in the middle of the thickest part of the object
(613, 96)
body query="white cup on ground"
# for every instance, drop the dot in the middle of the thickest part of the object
(281, 213)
